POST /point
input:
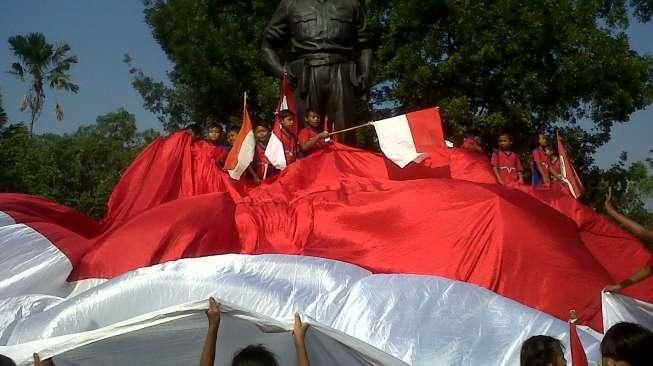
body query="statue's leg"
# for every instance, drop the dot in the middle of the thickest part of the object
(340, 100)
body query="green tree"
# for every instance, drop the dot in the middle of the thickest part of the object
(3, 115)
(79, 169)
(40, 63)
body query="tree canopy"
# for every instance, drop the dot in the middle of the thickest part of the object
(78, 169)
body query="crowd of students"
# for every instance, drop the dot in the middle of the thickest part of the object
(309, 139)
(507, 165)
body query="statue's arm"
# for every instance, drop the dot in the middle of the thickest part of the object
(364, 35)
(275, 34)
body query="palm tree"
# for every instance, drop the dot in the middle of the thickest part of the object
(43, 63)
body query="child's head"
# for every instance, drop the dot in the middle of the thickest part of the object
(312, 118)
(287, 118)
(627, 344)
(505, 141)
(6, 361)
(472, 136)
(232, 133)
(542, 350)
(550, 151)
(194, 130)
(262, 132)
(542, 141)
(254, 355)
(214, 132)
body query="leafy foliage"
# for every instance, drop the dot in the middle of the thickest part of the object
(40, 63)
(79, 169)
(3, 115)
(491, 66)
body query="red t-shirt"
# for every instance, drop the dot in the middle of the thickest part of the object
(539, 156)
(289, 142)
(306, 134)
(261, 162)
(509, 166)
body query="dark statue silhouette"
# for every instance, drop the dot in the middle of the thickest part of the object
(327, 44)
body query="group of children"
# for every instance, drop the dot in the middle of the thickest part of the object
(309, 139)
(508, 168)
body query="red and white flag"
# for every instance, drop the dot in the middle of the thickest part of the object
(410, 137)
(275, 151)
(568, 172)
(242, 153)
(578, 356)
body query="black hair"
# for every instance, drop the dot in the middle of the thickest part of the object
(471, 134)
(235, 129)
(284, 113)
(254, 355)
(540, 350)
(195, 128)
(628, 342)
(535, 141)
(309, 110)
(262, 124)
(6, 361)
(215, 125)
(504, 133)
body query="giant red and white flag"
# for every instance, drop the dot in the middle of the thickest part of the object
(567, 171)
(334, 238)
(410, 137)
(242, 153)
(274, 151)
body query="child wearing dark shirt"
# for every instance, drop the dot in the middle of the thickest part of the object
(312, 137)
(506, 164)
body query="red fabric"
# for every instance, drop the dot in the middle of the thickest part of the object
(471, 165)
(306, 134)
(569, 173)
(207, 177)
(509, 166)
(541, 248)
(539, 156)
(261, 164)
(289, 142)
(578, 356)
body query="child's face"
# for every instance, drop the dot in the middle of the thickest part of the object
(505, 142)
(541, 139)
(548, 152)
(313, 119)
(214, 134)
(231, 137)
(261, 133)
(288, 122)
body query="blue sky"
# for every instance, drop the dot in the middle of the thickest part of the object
(101, 32)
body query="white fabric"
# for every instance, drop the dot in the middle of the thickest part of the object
(396, 140)
(358, 318)
(275, 153)
(6, 219)
(619, 308)
(245, 156)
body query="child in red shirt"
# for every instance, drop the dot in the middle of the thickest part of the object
(286, 135)
(261, 167)
(506, 164)
(213, 138)
(540, 165)
(312, 137)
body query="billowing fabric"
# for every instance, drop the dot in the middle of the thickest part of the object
(375, 319)
(540, 249)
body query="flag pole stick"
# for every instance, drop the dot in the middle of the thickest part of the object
(351, 128)
(265, 171)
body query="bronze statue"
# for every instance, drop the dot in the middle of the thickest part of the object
(328, 58)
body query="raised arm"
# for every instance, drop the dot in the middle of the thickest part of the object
(299, 335)
(634, 227)
(640, 275)
(208, 352)
(309, 144)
